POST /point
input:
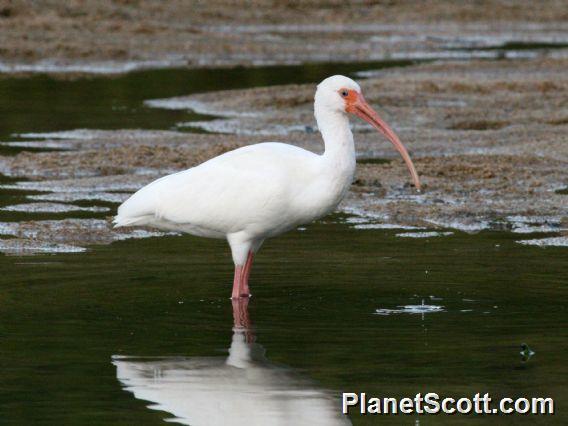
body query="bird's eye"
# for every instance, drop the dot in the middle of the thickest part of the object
(344, 93)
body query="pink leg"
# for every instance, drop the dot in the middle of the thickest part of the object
(237, 280)
(244, 290)
(240, 313)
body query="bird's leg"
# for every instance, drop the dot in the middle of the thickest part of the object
(240, 313)
(244, 290)
(237, 280)
(242, 250)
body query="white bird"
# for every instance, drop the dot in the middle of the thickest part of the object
(262, 190)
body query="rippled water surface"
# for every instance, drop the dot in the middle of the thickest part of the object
(142, 330)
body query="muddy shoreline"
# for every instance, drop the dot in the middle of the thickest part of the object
(120, 36)
(484, 114)
(489, 140)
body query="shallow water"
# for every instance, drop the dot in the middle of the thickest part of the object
(316, 293)
(97, 337)
(40, 103)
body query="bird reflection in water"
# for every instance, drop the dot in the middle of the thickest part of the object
(242, 389)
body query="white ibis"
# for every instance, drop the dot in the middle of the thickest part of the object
(262, 190)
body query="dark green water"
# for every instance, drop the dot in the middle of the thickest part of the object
(315, 294)
(43, 104)
(64, 317)
(520, 45)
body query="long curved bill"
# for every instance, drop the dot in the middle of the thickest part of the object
(363, 110)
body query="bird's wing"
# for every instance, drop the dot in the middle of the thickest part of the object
(227, 193)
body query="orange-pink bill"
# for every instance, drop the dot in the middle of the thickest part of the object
(357, 105)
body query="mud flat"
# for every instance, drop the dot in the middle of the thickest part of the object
(120, 36)
(489, 140)
(61, 236)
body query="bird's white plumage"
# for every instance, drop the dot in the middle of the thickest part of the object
(256, 191)
(246, 190)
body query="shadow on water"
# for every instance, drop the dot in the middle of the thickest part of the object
(241, 389)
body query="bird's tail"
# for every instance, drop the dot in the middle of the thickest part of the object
(120, 221)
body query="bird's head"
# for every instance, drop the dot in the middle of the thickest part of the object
(342, 95)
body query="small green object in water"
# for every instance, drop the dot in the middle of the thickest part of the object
(526, 352)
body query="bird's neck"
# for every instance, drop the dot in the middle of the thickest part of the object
(338, 139)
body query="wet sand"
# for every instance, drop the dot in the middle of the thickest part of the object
(118, 36)
(489, 140)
